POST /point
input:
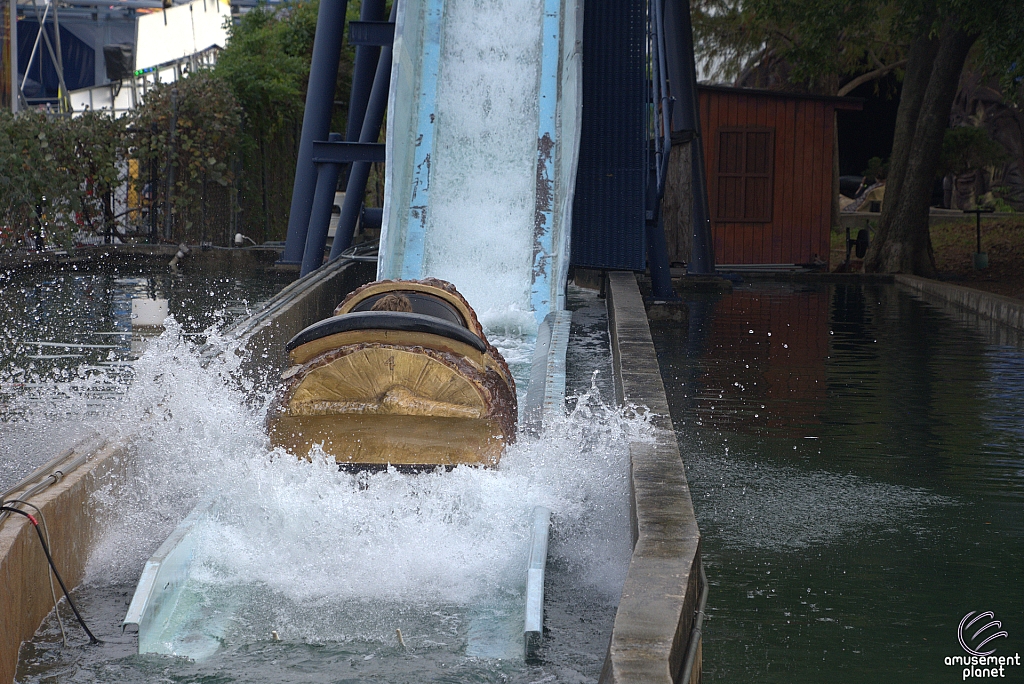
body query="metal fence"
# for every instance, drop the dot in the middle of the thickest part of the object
(140, 208)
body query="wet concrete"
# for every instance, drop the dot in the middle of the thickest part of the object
(653, 624)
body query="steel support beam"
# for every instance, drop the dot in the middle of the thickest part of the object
(379, 33)
(336, 151)
(682, 73)
(367, 56)
(355, 189)
(320, 216)
(659, 153)
(316, 121)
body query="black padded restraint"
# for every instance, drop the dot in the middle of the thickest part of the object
(386, 320)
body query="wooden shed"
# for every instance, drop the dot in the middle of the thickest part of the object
(769, 158)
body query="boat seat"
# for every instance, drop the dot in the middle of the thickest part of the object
(422, 303)
(387, 320)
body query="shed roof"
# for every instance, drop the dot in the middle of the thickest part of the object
(855, 104)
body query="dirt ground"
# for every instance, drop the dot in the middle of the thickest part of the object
(954, 244)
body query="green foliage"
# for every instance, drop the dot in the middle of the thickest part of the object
(1002, 52)
(191, 125)
(820, 40)
(205, 119)
(968, 148)
(266, 64)
(997, 203)
(58, 173)
(825, 42)
(55, 173)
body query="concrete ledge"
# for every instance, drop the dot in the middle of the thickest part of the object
(1005, 310)
(24, 583)
(659, 597)
(298, 305)
(113, 257)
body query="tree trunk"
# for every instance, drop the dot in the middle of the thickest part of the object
(835, 173)
(915, 82)
(903, 242)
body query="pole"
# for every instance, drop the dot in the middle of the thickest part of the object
(355, 189)
(316, 121)
(367, 57)
(62, 87)
(12, 17)
(682, 68)
(320, 216)
(153, 237)
(173, 153)
(977, 215)
(64, 99)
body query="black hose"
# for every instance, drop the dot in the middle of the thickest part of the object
(49, 559)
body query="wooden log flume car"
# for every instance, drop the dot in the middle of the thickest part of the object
(402, 374)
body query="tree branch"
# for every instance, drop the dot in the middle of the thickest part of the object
(874, 58)
(868, 77)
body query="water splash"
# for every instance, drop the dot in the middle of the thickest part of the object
(309, 543)
(480, 227)
(771, 507)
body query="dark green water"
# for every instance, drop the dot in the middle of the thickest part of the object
(856, 460)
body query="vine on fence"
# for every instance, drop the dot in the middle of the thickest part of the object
(188, 131)
(166, 165)
(201, 158)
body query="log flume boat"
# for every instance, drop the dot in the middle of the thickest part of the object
(401, 375)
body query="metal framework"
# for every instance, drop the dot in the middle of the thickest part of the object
(323, 155)
(675, 113)
(64, 104)
(666, 74)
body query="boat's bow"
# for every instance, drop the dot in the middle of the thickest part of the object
(415, 387)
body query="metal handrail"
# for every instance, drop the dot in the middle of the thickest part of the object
(51, 472)
(698, 628)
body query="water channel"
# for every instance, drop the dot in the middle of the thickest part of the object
(332, 562)
(856, 460)
(855, 455)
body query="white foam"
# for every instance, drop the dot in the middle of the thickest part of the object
(479, 232)
(312, 536)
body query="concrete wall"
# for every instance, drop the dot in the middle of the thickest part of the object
(1006, 311)
(24, 588)
(103, 257)
(655, 617)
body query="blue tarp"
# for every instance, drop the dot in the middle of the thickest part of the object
(79, 61)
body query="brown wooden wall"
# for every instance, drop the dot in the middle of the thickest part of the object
(800, 184)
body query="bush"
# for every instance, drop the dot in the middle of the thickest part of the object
(189, 130)
(55, 173)
(59, 175)
(968, 148)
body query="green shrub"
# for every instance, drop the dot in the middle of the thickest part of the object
(189, 129)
